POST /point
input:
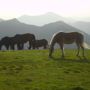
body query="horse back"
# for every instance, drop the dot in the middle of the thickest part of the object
(69, 37)
(41, 42)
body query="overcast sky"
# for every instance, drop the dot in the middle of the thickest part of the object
(67, 8)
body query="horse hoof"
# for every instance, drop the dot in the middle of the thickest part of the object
(62, 55)
(50, 55)
(78, 55)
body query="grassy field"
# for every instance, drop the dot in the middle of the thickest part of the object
(34, 70)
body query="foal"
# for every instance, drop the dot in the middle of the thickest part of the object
(41, 43)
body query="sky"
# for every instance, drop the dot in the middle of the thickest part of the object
(66, 8)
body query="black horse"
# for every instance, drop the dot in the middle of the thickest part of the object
(41, 43)
(6, 42)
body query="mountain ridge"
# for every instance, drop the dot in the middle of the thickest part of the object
(42, 19)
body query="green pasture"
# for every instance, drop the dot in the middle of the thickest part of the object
(35, 70)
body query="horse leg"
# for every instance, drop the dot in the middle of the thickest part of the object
(83, 53)
(7, 47)
(12, 47)
(44, 47)
(51, 51)
(37, 47)
(33, 45)
(18, 47)
(29, 45)
(0, 47)
(78, 47)
(22, 45)
(51, 48)
(62, 48)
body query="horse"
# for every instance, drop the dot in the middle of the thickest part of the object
(8, 42)
(5, 41)
(20, 39)
(41, 43)
(67, 38)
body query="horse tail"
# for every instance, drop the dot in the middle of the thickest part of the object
(85, 45)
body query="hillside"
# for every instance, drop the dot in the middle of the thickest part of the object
(34, 70)
(13, 26)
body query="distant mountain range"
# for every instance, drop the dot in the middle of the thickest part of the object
(13, 26)
(43, 19)
(80, 23)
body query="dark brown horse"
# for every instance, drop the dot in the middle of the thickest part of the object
(20, 39)
(41, 43)
(67, 38)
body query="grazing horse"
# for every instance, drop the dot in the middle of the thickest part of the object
(67, 38)
(5, 41)
(8, 42)
(20, 39)
(41, 43)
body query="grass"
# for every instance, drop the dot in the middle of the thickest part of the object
(34, 70)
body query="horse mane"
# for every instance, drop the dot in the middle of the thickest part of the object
(54, 36)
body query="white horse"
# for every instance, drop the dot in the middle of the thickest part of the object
(67, 38)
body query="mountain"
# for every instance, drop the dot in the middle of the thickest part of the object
(43, 19)
(1, 20)
(54, 27)
(13, 26)
(85, 26)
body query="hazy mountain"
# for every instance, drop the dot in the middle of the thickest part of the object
(43, 19)
(85, 26)
(54, 27)
(13, 26)
(1, 20)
